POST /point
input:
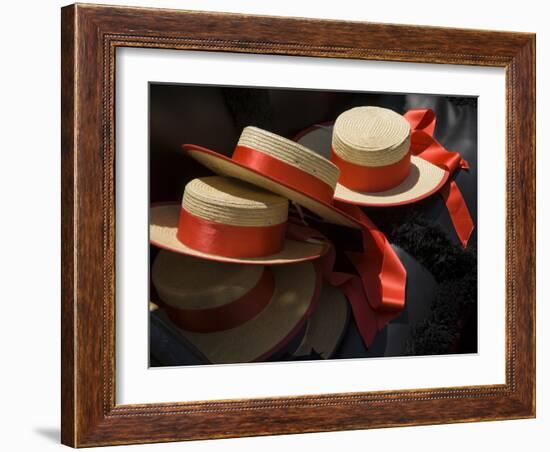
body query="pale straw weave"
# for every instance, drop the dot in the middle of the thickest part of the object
(371, 136)
(230, 201)
(291, 153)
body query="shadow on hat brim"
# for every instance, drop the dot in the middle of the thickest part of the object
(224, 166)
(326, 325)
(424, 179)
(297, 290)
(163, 226)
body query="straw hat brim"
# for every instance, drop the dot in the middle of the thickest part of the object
(297, 289)
(222, 165)
(423, 180)
(163, 225)
(326, 325)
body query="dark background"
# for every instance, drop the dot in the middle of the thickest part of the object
(441, 312)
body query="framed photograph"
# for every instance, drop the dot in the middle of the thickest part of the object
(282, 225)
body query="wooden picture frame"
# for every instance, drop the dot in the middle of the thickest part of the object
(90, 36)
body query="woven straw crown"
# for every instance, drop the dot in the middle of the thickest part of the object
(186, 282)
(291, 153)
(371, 136)
(229, 201)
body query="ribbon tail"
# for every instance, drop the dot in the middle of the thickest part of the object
(458, 211)
(382, 279)
(383, 275)
(383, 285)
(364, 315)
(366, 318)
(377, 295)
(425, 146)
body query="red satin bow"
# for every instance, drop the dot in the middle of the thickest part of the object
(424, 145)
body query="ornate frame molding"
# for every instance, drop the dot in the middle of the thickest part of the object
(90, 36)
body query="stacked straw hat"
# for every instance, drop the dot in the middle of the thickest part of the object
(288, 169)
(230, 221)
(371, 147)
(230, 312)
(235, 313)
(240, 217)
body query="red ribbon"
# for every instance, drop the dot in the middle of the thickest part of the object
(382, 276)
(377, 295)
(284, 173)
(371, 178)
(424, 145)
(229, 240)
(227, 316)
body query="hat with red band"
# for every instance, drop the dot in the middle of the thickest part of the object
(228, 220)
(386, 159)
(249, 313)
(372, 148)
(285, 167)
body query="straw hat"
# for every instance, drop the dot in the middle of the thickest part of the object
(326, 326)
(371, 146)
(228, 220)
(221, 311)
(281, 166)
